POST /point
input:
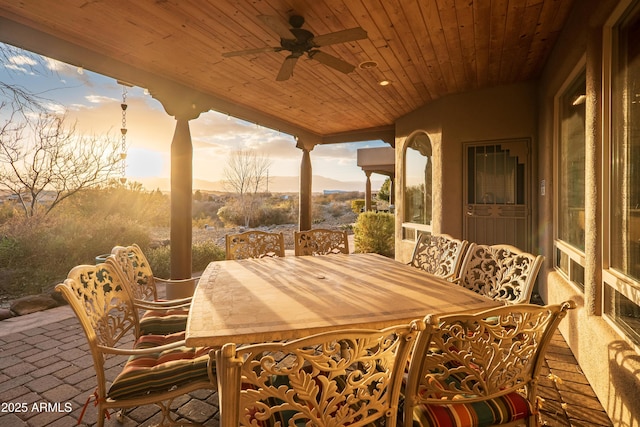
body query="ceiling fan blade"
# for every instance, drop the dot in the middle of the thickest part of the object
(343, 36)
(278, 26)
(286, 70)
(331, 61)
(251, 51)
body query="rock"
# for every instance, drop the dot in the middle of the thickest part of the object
(57, 297)
(5, 313)
(32, 303)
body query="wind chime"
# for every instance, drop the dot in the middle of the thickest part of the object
(123, 131)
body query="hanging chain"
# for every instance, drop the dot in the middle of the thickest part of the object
(123, 130)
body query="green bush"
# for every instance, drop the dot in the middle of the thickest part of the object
(374, 232)
(202, 254)
(357, 205)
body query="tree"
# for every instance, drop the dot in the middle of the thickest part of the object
(43, 161)
(385, 190)
(19, 98)
(246, 175)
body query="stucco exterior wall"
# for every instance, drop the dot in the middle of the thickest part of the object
(490, 114)
(608, 361)
(526, 110)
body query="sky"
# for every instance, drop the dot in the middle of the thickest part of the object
(93, 101)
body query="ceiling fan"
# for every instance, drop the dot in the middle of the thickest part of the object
(299, 41)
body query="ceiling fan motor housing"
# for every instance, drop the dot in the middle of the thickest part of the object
(299, 45)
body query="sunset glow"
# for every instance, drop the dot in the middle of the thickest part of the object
(93, 101)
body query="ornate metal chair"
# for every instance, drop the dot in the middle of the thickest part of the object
(480, 369)
(321, 241)
(159, 367)
(501, 272)
(348, 377)
(439, 254)
(161, 317)
(254, 244)
(138, 270)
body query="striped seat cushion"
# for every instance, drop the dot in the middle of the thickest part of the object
(501, 410)
(163, 322)
(161, 371)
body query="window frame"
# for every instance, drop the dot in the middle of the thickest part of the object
(575, 258)
(411, 231)
(612, 280)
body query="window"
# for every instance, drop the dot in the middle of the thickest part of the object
(571, 165)
(622, 277)
(570, 171)
(625, 151)
(417, 190)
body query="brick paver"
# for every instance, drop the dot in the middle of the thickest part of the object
(46, 375)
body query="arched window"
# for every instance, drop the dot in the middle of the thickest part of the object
(417, 184)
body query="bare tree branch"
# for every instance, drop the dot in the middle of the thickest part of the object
(54, 162)
(246, 174)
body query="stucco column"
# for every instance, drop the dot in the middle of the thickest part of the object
(181, 207)
(367, 193)
(593, 178)
(305, 204)
(184, 106)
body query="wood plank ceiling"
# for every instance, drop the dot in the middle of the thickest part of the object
(426, 49)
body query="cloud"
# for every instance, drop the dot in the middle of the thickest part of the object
(99, 99)
(22, 60)
(214, 133)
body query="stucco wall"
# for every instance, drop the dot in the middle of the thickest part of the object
(526, 110)
(610, 364)
(490, 114)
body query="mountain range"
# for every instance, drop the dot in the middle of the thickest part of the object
(277, 184)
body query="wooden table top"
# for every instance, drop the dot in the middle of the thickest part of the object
(268, 299)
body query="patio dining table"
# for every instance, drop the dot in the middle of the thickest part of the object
(269, 299)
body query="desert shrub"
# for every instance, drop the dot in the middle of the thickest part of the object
(38, 252)
(160, 260)
(357, 205)
(7, 211)
(268, 211)
(205, 252)
(374, 232)
(202, 254)
(230, 216)
(151, 208)
(272, 215)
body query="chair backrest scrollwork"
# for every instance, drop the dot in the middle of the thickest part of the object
(321, 241)
(439, 254)
(500, 272)
(137, 270)
(339, 378)
(254, 244)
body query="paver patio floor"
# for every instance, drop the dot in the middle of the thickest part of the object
(46, 375)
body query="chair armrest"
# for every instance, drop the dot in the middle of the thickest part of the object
(142, 351)
(162, 305)
(190, 279)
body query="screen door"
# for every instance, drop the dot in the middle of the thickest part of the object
(496, 193)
